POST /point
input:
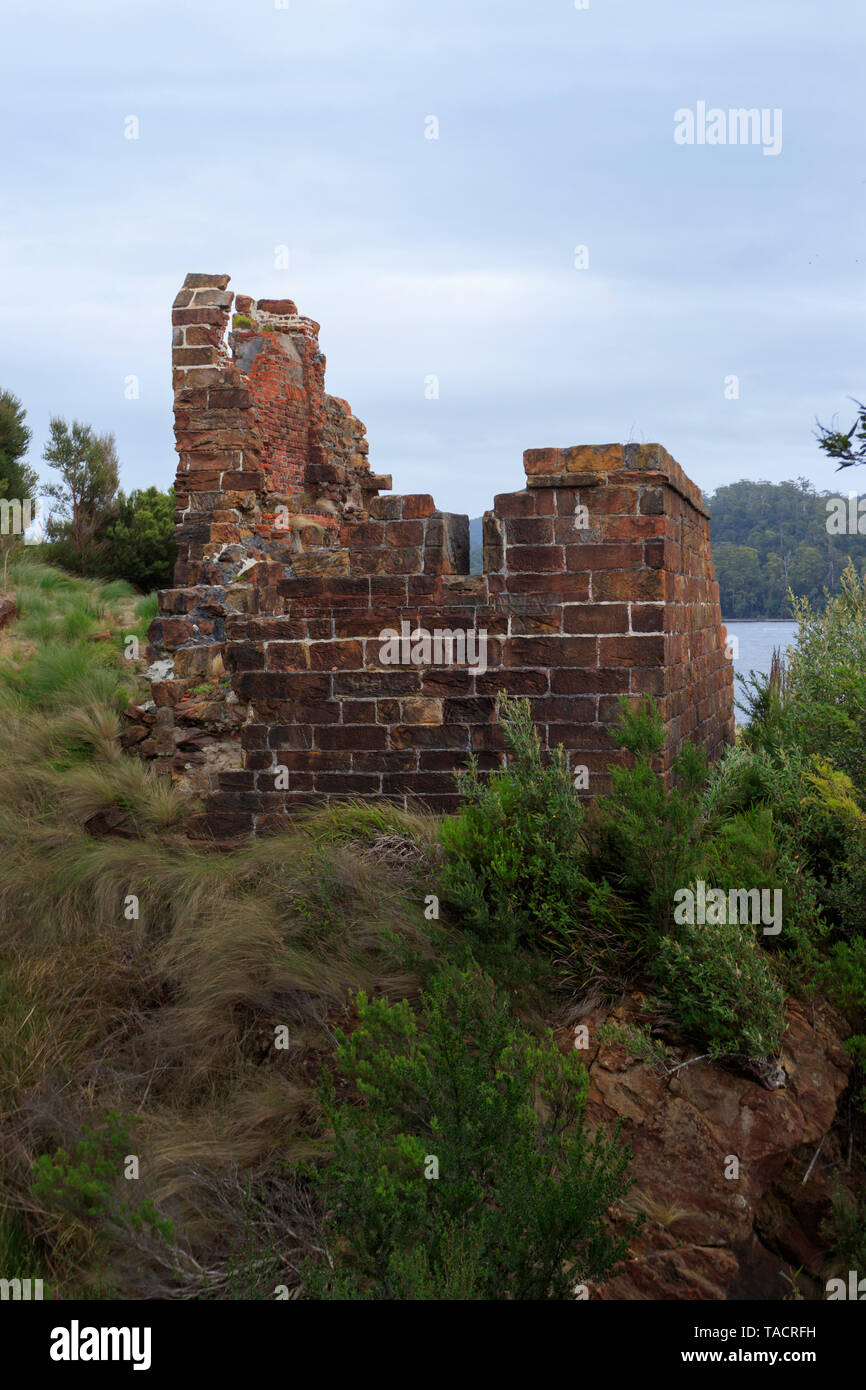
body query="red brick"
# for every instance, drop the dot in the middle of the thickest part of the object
(356, 736)
(649, 585)
(294, 646)
(552, 651)
(515, 504)
(603, 557)
(358, 534)
(605, 681)
(418, 505)
(336, 656)
(404, 533)
(595, 617)
(288, 656)
(536, 530)
(634, 528)
(359, 711)
(647, 617)
(429, 736)
(632, 651)
(568, 587)
(274, 685)
(534, 559)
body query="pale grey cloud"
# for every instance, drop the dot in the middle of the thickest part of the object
(305, 127)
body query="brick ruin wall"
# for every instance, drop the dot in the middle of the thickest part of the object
(272, 686)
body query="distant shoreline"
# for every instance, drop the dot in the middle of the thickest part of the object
(725, 621)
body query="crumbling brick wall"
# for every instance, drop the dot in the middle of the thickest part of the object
(279, 682)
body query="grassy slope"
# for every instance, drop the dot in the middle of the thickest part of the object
(170, 1016)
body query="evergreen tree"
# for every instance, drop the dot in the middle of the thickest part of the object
(85, 494)
(137, 542)
(17, 479)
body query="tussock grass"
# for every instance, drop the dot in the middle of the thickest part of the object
(658, 1211)
(147, 607)
(140, 971)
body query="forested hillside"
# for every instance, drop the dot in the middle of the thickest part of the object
(769, 537)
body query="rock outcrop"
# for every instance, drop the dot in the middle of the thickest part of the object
(720, 1161)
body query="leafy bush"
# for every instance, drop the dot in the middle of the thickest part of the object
(513, 851)
(518, 1207)
(721, 988)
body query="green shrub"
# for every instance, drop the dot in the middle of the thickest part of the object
(133, 543)
(818, 705)
(85, 1183)
(517, 1210)
(137, 542)
(645, 838)
(750, 851)
(720, 987)
(780, 818)
(846, 1231)
(513, 852)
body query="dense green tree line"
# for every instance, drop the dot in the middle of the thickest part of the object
(771, 537)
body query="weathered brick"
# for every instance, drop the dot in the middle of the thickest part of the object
(551, 651)
(336, 656)
(535, 530)
(417, 505)
(419, 709)
(534, 559)
(595, 617)
(404, 533)
(632, 651)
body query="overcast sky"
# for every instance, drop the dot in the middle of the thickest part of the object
(305, 126)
